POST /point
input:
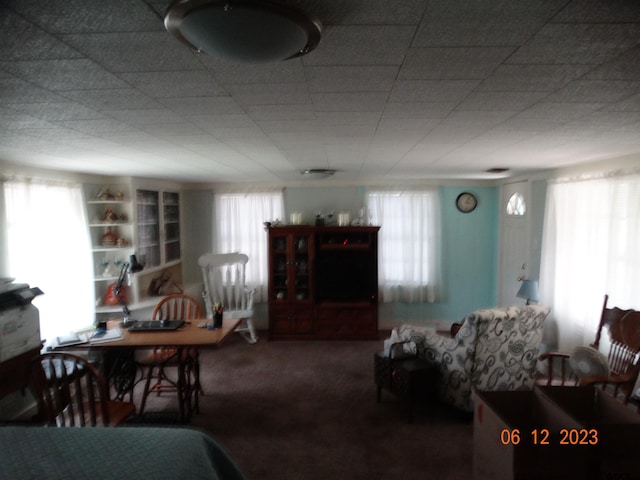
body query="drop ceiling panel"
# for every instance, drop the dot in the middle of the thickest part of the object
(396, 89)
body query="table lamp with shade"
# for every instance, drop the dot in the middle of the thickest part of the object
(529, 291)
(133, 266)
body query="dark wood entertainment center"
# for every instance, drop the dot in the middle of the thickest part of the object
(323, 282)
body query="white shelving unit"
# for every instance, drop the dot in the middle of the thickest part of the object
(111, 227)
(127, 218)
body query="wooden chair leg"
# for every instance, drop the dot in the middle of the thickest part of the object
(145, 392)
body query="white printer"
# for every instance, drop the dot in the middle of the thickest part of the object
(19, 319)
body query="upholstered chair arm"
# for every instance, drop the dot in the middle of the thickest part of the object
(429, 344)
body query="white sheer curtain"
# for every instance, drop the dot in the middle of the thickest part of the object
(239, 228)
(408, 244)
(48, 246)
(591, 247)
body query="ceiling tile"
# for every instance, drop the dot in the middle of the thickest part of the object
(270, 93)
(57, 111)
(349, 102)
(596, 91)
(134, 52)
(189, 83)
(396, 89)
(361, 78)
(511, 101)
(431, 90)
(81, 16)
(624, 67)
(362, 45)
(14, 90)
(452, 63)
(112, 99)
(528, 78)
(22, 40)
(577, 44)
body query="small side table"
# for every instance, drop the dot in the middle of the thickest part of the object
(407, 378)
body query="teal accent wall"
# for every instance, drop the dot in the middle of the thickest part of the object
(469, 262)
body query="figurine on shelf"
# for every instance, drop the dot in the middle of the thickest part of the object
(109, 216)
(109, 239)
(105, 194)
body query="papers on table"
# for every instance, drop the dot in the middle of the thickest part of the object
(108, 336)
(78, 338)
(71, 339)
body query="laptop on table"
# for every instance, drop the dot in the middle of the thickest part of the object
(156, 325)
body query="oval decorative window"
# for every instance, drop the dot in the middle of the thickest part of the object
(516, 205)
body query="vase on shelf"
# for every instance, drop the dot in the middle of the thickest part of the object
(109, 239)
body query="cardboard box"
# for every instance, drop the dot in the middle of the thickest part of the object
(617, 428)
(516, 436)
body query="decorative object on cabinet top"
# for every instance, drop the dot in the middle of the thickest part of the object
(105, 195)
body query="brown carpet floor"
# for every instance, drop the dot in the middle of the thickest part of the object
(308, 411)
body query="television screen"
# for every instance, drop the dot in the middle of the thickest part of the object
(348, 276)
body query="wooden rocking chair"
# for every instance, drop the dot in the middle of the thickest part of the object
(623, 327)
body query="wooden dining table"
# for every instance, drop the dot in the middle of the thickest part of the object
(191, 336)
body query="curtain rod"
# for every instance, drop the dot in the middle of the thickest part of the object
(587, 177)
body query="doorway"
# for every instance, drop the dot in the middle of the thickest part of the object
(515, 227)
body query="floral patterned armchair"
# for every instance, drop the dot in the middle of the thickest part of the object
(495, 349)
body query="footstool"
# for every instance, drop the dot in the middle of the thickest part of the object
(409, 379)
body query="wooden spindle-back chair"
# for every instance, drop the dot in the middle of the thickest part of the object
(177, 306)
(72, 392)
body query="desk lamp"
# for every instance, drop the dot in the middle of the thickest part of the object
(133, 266)
(529, 291)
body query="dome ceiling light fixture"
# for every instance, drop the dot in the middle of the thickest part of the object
(247, 31)
(317, 173)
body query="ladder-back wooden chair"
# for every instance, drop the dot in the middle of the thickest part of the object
(177, 306)
(71, 392)
(623, 358)
(224, 282)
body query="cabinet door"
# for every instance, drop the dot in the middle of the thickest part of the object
(148, 208)
(171, 226)
(345, 322)
(278, 269)
(158, 227)
(291, 265)
(289, 322)
(301, 284)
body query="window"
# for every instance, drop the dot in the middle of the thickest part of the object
(48, 246)
(239, 228)
(589, 249)
(516, 205)
(408, 244)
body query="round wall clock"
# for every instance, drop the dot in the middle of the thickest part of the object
(466, 202)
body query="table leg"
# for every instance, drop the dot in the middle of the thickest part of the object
(120, 369)
(187, 384)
